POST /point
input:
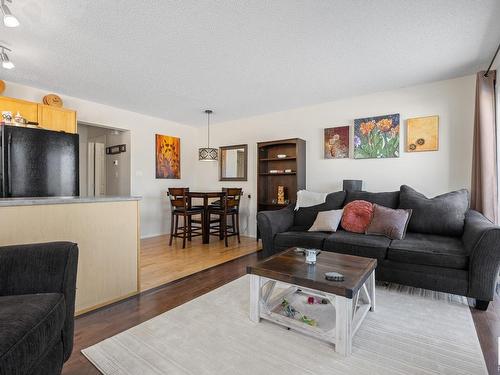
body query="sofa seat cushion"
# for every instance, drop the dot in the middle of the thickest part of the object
(300, 239)
(30, 324)
(363, 245)
(429, 250)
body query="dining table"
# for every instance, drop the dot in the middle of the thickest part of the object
(206, 195)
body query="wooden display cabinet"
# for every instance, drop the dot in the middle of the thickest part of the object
(268, 182)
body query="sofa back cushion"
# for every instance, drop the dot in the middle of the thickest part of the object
(387, 199)
(304, 217)
(443, 215)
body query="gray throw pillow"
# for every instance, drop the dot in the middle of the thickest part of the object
(443, 215)
(327, 221)
(389, 222)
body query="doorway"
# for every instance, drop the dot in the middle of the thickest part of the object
(96, 168)
(105, 161)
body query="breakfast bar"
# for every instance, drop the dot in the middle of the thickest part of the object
(105, 228)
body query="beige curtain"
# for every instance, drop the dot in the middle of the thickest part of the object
(484, 186)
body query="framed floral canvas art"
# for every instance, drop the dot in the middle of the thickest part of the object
(422, 134)
(376, 137)
(168, 157)
(337, 142)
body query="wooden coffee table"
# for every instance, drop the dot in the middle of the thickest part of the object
(347, 302)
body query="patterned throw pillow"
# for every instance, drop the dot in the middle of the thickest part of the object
(357, 216)
(389, 222)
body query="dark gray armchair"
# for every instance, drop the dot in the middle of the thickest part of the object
(37, 306)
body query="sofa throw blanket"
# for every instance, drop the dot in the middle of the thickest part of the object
(307, 198)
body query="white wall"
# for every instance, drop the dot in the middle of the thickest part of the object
(155, 209)
(429, 172)
(118, 165)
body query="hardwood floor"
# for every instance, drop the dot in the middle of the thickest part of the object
(488, 330)
(99, 325)
(161, 263)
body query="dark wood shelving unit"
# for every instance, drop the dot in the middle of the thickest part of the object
(273, 159)
(278, 174)
(267, 183)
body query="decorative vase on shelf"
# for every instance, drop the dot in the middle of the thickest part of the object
(281, 194)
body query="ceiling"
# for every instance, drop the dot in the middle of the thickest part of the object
(173, 59)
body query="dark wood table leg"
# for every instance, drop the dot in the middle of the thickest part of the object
(206, 221)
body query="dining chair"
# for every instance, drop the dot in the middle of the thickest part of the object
(229, 207)
(181, 207)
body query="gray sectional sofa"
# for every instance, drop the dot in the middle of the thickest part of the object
(448, 247)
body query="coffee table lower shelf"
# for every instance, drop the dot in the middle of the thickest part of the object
(337, 320)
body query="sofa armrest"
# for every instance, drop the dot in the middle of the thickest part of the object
(481, 240)
(270, 223)
(42, 268)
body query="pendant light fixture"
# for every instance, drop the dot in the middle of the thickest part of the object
(9, 19)
(6, 63)
(208, 153)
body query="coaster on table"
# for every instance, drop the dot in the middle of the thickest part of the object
(334, 276)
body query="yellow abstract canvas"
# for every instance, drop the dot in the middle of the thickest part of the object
(422, 134)
(168, 156)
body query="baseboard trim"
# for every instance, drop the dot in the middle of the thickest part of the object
(105, 304)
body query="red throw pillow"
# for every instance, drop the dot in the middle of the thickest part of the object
(357, 216)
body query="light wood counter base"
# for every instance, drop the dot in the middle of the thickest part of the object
(107, 238)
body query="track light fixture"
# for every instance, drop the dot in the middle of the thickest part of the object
(9, 19)
(6, 63)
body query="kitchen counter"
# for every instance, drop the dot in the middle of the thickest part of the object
(7, 202)
(106, 230)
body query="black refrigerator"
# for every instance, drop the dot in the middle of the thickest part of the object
(38, 163)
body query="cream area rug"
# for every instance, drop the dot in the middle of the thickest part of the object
(411, 332)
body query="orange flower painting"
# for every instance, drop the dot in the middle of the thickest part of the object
(384, 125)
(376, 137)
(366, 127)
(168, 157)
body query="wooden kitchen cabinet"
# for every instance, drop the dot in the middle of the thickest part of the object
(47, 117)
(57, 119)
(28, 110)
